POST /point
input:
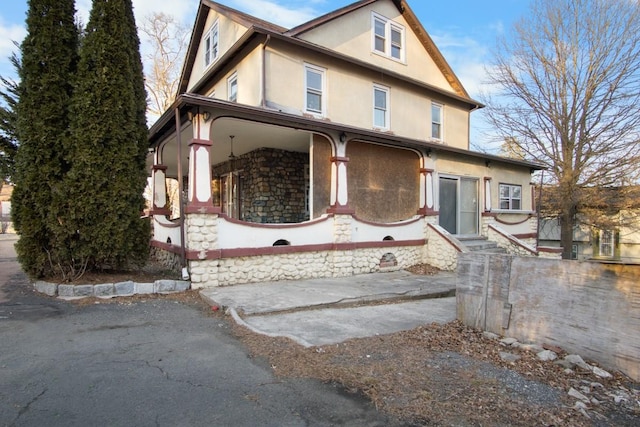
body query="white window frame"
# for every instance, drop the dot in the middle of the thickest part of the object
(387, 39)
(440, 137)
(233, 79)
(211, 42)
(386, 110)
(322, 92)
(510, 198)
(607, 249)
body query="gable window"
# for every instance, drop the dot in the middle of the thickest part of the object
(606, 243)
(211, 45)
(436, 121)
(388, 37)
(314, 89)
(232, 88)
(510, 197)
(380, 107)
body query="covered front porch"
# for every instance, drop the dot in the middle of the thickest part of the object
(270, 196)
(265, 196)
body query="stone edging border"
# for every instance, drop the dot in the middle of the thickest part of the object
(110, 290)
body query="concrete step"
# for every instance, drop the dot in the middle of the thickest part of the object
(481, 244)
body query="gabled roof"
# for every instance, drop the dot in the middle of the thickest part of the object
(414, 24)
(259, 26)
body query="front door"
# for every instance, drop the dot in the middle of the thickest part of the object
(459, 205)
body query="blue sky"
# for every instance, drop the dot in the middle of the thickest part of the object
(464, 30)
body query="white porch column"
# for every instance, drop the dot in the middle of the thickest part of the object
(487, 194)
(200, 198)
(427, 188)
(158, 185)
(339, 188)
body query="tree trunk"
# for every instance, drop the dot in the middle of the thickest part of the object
(566, 233)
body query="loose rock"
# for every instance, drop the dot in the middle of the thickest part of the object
(547, 355)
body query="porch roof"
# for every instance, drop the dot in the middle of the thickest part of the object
(166, 126)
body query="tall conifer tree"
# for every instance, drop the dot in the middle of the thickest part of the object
(49, 59)
(107, 178)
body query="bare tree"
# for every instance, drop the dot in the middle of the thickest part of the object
(567, 86)
(168, 40)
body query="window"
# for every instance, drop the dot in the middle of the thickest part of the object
(388, 37)
(606, 243)
(436, 121)
(211, 45)
(232, 88)
(380, 107)
(574, 251)
(315, 89)
(510, 197)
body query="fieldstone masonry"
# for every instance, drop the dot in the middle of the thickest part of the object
(273, 185)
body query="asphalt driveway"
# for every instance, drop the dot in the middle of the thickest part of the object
(144, 362)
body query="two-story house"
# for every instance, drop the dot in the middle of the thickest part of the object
(338, 147)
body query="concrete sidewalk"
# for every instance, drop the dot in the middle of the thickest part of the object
(327, 311)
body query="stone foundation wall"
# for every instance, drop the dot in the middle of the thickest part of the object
(167, 259)
(304, 265)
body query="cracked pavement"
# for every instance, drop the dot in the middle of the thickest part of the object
(153, 362)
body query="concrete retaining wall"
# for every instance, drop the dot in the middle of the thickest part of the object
(585, 308)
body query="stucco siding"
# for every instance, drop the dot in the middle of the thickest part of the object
(229, 32)
(349, 96)
(352, 35)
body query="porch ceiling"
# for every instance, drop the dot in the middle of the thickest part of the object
(248, 136)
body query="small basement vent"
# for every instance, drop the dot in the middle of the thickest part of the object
(388, 260)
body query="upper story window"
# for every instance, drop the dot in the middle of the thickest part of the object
(510, 197)
(436, 121)
(232, 88)
(380, 107)
(388, 37)
(607, 243)
(315, 99)
(211, 48)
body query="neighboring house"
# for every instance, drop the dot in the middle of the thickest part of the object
(5, 208)
(338, 147)
(607, 229)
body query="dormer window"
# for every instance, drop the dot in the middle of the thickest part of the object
(211, 48)
(388, 37)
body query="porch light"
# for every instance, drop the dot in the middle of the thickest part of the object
(206, 116)
(343, 137)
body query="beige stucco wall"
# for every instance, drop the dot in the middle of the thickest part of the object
(349, 96)
(447, 164)
(229, 33)
(249, 80)
(352, 35)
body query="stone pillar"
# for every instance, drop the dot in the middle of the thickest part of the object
(200, 198)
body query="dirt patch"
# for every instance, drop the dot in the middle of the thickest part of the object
(446, 375)
(424, 269)
(149, 273)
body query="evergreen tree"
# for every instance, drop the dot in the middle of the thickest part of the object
(49, 59)
(9, 95)
(104, 188)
